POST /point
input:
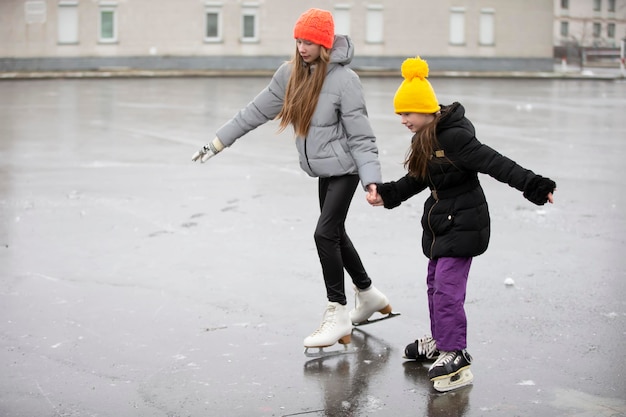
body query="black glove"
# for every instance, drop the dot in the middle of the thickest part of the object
(538, 189)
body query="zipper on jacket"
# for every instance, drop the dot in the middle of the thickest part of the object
(311, 68)
(433, 192)
(432, 232)
(306, 155)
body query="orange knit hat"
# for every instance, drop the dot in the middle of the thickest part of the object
(415, 94)
(317, 26)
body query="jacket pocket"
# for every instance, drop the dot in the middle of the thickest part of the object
(343, 158)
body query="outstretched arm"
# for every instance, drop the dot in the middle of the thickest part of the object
(476, 156)
(264, 107)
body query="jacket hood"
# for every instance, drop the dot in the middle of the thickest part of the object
(342, 50)
(454, 116)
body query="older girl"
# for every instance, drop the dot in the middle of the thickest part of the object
(322, 99)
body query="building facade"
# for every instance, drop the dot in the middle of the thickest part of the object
(463, 35)
(590, 23)
(590, 32)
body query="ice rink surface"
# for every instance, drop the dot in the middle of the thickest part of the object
(136, 283)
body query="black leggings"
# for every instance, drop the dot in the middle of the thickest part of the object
(334, 247)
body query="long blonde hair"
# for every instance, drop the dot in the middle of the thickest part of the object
(302, 93)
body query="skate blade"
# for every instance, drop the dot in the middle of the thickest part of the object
(421, 360)
(460, 379)
(370, 321)
(322, 353)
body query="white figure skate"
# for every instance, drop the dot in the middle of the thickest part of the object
(335, 327)
(451, 370)
(367, 302)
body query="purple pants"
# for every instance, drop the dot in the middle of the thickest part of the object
(447, 283)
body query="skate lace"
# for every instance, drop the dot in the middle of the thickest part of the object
(327, 321)
(426, 346)
(445, 358)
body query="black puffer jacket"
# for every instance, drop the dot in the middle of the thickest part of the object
(456, 217)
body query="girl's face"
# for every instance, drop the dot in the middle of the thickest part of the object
(415, 121)
(309, 51)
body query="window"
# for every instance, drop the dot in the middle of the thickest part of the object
(565, 4)
(597, 5)
(250, 22)
(565, 29)
(611, 6)
(35, 11)
(487, 34)
(457, 26)
(213, 22)
(597, 30)
(107, 23)
(374, 24)
(342, 19)
(610, 30)
(67, 22)
(212, 25)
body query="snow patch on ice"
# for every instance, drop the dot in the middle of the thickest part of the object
(372, 404)
(118, 164)
(527, 382)
(526, 107)
(74, 195)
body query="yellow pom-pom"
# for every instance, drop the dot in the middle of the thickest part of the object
(414, 67)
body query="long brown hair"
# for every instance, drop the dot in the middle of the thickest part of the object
(302, 93)
(423, 147)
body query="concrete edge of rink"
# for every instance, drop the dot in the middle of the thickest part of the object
(590, 74)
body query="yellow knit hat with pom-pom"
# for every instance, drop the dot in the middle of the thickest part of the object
(415, 94)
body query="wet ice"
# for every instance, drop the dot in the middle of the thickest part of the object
(132, 279)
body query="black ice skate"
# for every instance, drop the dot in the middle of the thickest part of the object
(422, 350)
(451, 370)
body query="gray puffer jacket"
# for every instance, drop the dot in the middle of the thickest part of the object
(340, 139)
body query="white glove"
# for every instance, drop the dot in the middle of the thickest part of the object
(208, 151)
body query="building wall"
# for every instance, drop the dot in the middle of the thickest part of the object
(162, 34)
(580, 18)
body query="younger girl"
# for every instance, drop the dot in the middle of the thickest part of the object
(446, 157)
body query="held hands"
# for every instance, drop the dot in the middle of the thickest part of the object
(372, 196)
(208, 151)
